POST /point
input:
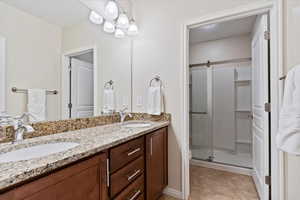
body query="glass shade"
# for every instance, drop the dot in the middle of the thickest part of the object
(133, 29)
(123, 21)
(119, 33)
(111, 10)
(96, 18)
(109, 27)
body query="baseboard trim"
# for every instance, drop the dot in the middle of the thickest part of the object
(173, 193)
(232, 169)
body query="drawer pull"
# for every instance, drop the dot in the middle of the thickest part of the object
(151, 146)
(107, 173)
(134, 151)
(133, 175)
(136, 194)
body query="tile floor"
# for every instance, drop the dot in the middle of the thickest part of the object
(211, 184)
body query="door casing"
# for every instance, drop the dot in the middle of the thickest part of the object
(65, 78)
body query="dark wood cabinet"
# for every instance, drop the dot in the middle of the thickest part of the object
(156, 163)
(125, 153)
(134, 170)
(135, 191)
(125, 176)
(85, 180)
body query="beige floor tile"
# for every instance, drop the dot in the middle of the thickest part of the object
(211, 184)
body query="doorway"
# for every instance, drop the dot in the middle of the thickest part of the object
(228, 125)
(79, 84)
(275, 89)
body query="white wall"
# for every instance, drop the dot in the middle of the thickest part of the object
(2, 75)
(159, 50)
(114, 58)
(224, 49)
(292, 58)
(32, 57)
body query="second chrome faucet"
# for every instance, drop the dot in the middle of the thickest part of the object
(123, 114)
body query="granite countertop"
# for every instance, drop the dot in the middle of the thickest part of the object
(91, 141)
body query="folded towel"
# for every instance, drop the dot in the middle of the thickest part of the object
(38, 113)
(154, 100)
(108, 100)
(37, 104)
(288, 137)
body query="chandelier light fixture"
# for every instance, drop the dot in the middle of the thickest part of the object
(115, 20)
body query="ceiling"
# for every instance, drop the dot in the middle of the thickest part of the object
(62, 12)
(222, 30)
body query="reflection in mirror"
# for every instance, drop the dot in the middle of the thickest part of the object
(47, 47)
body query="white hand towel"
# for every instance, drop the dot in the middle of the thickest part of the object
(288, 137)
(108, 100)
(154, 101)
(37, 104)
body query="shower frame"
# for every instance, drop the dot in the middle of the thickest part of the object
(210, 64)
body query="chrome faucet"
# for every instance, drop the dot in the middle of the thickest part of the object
(123, 114)
(20, 125)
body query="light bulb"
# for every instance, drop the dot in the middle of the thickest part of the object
(111, 10)
(132, 29)
(119, 33)
(109, 27)
(96, 18)
(123, 21)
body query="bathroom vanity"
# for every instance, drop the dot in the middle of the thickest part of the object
(130, 165)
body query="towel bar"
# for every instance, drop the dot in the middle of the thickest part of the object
(282, 78)
(109, 85)
(157, 79)
(16, 90)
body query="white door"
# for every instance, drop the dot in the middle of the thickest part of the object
(260, 97)
(82, 89)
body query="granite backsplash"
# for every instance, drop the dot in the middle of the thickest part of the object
(60, 126)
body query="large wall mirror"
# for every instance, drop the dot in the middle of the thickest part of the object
(51, 47)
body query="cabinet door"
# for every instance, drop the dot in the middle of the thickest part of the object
(156, 163)
(85, 180)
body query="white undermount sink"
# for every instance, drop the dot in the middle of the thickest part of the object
(36, 151)
(137, 125)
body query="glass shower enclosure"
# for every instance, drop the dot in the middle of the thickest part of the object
(220, 114)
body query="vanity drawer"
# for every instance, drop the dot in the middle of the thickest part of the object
(126, 175)
(133, 192)
(123, 154)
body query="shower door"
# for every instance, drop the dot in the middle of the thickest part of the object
(212, 114)
(201, 113)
